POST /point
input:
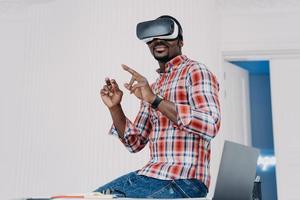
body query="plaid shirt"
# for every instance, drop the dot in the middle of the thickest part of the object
(182, 150)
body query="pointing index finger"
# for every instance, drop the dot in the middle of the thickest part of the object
(131, 71)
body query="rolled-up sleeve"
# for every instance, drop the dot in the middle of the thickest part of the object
(136, 134)
(202, 113)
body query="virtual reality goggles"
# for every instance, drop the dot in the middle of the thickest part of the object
(161, 28)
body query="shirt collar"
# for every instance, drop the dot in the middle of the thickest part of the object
(173, 64)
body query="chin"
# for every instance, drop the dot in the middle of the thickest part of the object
(162, 58)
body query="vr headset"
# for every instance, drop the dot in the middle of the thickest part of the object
(161, 28)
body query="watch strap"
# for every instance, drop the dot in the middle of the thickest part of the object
(156, 101)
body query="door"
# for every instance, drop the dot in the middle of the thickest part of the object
(236, 104)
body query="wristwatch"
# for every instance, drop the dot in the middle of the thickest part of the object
(156, 101)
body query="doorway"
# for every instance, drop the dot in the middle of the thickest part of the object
(261, 122)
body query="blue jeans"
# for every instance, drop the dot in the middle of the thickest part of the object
(133, 185)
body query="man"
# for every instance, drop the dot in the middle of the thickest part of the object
(179, 115)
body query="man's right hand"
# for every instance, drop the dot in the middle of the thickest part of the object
(110, 94)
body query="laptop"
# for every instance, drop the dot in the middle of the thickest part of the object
(236, 173)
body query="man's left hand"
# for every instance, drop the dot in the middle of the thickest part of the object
(141, 89)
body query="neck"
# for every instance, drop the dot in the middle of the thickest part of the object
(162, 66)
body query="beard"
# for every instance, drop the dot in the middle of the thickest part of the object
(168, 54)
(162, 59)
(163, 56)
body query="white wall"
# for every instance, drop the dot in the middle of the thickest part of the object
(54, 58)
(284, 74)
(254, 25)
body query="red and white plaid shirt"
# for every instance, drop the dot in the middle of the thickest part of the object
(182, 150)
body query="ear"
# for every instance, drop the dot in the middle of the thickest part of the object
(180, 43)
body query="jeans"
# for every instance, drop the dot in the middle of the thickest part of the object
(133, 185)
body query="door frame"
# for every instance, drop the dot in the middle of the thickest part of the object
(259, 54)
